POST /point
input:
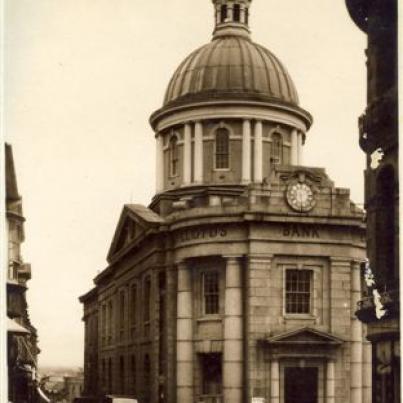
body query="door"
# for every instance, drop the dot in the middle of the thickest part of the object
(301, 385)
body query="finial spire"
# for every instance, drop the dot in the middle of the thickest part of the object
(231, 17)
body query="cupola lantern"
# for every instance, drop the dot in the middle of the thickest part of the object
(231, 17)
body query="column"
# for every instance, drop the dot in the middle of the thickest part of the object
(187, 152)
(330, 383)
(233, 333)
(356, 336)
(294, 147)
(159, 163)
(184, 341)
(367, 372)
(243, 14)
(198, 153)
(258, 152)
(246, 149)
(300, 141)
(230, 12)
(218, 14)
(275, 382)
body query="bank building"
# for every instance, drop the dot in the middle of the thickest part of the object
(239, 282)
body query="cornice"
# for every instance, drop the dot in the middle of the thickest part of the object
(269, 110)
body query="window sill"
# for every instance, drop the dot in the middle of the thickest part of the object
(210, 318)
(306, 316)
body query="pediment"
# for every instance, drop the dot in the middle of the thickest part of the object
(135, 220)
(306, 336)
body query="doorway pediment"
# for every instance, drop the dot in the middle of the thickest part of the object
(304, 336)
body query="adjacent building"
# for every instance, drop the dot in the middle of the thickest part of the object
(379, 140)
(239, 282)
(22, 346)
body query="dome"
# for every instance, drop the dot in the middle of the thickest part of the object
(231, 67)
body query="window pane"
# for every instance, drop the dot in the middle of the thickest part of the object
(222, 149)
(173, 153)
(277, 148)
(298, 291)
(211, 292)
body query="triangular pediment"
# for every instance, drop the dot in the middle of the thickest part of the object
(135, 220)
(305, 335)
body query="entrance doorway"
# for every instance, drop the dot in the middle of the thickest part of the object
(301, 385)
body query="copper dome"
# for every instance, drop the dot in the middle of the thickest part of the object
(231, 67)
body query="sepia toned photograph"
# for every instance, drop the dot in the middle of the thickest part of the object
(201, 201)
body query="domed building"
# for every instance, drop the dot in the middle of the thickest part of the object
(240, 281)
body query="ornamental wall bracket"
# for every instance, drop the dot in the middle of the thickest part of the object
(301, 176)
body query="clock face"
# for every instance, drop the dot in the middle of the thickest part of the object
(300, 197)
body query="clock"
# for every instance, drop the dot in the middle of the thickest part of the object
(300, 197)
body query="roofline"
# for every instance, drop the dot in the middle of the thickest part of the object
(88, 295)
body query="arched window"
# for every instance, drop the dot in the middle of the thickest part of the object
(237, 13)
(386, 227)
(222, 149)
(173, 155)
(224, 13)
(276, 149)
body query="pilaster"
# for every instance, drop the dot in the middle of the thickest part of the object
(258, 152)
(356, 336)
(159, 163)
(198, 153)
(300, 141)
(275, 382)
(233, 333)
(294, 147)
(330, 382)
(184, 337)
(246, 151)
(187, 150)
(257, 321)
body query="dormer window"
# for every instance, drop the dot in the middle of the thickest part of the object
(222, 149)
(224, 13)
(237, 13)
(173, 155)
(277, 149)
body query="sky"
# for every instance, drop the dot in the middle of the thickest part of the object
(81, 79)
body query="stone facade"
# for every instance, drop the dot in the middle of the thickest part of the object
(379, 140)
(240, 280)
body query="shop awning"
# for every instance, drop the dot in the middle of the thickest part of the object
(14, 327)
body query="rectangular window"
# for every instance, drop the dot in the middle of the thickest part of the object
(222, 145)
(147, 305)
(133, 309)
(211, 292)
(122, 309)
(298, 286)
(110, 322)
(103, 325)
